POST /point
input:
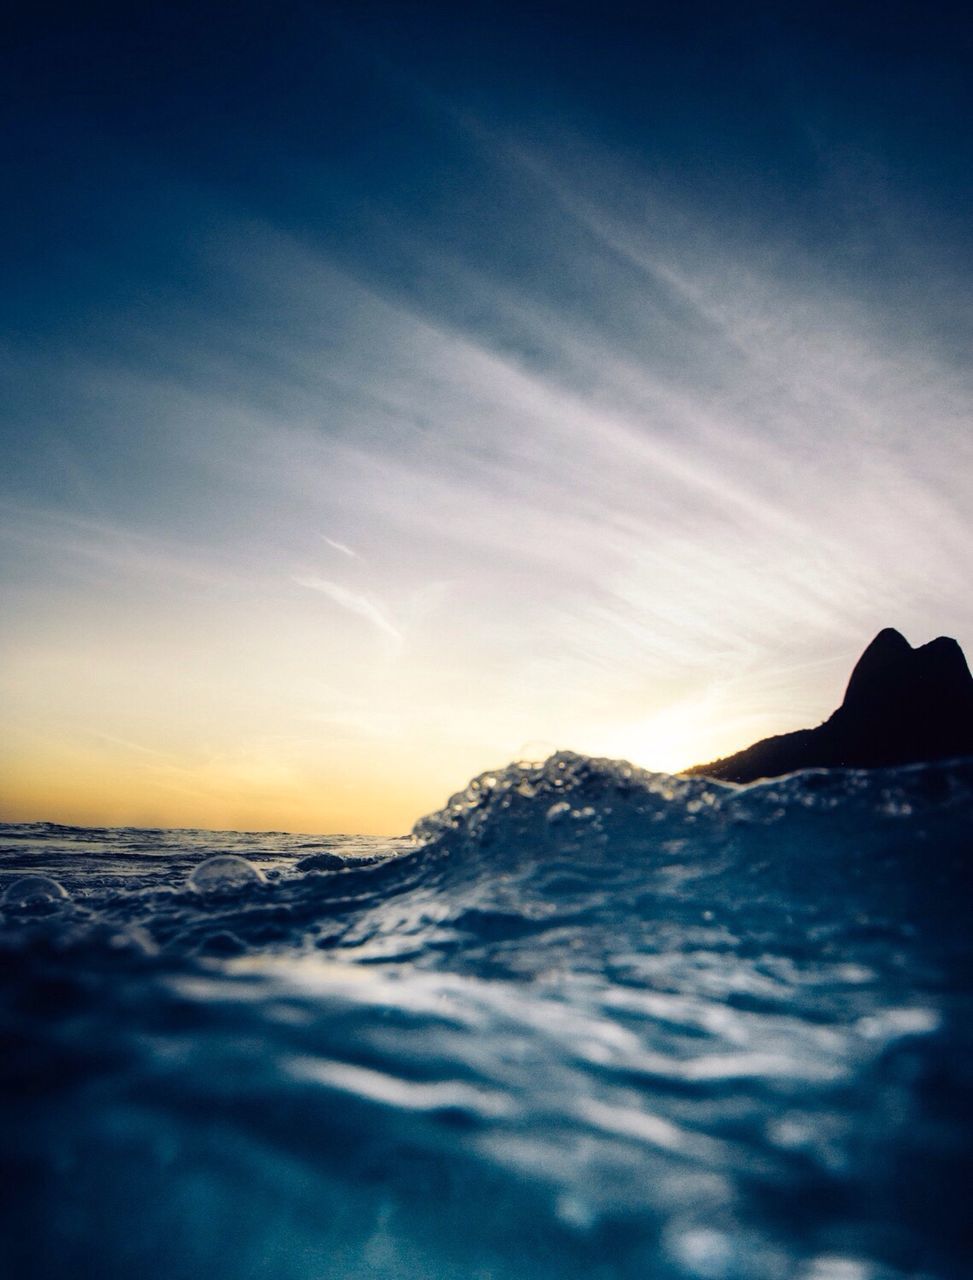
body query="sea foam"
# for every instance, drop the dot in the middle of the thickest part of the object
(584, 1021)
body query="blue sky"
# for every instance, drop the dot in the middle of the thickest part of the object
(391, 391)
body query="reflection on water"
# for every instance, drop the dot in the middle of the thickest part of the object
(586, 1022)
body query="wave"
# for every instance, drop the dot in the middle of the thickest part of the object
(584, 1021)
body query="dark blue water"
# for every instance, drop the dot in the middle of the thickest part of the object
(585, 1022)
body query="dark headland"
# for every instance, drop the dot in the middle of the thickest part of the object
(902, 706)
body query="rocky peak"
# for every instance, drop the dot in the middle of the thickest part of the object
(902, 705)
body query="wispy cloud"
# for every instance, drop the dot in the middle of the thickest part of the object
(81, 547)
(340, 546)
(354, 602)
(641, 491)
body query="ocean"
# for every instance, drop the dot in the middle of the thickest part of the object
(586, 1021)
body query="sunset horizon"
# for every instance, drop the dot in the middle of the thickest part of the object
(90, 810)
(486, 732)
(386, 394)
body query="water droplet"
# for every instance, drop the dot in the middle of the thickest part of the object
(225, 871)
(30, 890)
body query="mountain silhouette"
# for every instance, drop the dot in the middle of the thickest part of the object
(902, 706)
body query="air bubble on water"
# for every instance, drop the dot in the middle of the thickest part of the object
(225, 871)
(535, 752)
(32, 890)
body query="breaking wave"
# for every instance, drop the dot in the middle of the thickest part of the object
(584, 1021)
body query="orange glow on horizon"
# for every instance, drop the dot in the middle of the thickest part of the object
(107, 782)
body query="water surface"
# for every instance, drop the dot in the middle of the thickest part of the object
(586, 1021)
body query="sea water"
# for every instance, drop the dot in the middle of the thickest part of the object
(584, 1022)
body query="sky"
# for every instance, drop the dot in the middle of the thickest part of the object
(393, 391)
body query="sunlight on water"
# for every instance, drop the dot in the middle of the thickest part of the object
(586, 1022)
